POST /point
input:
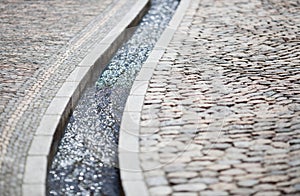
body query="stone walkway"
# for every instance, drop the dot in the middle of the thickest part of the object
(41, 44)
(221, 115)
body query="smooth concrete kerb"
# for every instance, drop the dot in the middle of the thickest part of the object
(131, 173)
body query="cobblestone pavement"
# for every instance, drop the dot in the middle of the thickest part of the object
(221, 115)
(41, 43)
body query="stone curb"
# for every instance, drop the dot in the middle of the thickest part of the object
(50, 130)
(132, 178)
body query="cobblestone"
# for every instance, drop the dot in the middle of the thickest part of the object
(41, 43)
(233, 70)
(161, 190)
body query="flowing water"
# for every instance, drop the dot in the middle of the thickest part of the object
(86, 162)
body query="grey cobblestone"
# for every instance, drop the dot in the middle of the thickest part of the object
(41, 44)
(223, 101)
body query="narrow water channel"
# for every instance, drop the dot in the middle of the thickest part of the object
(86, 162)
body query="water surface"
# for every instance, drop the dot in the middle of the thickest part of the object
(86, 162)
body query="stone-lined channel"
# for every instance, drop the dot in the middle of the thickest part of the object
(86, 162)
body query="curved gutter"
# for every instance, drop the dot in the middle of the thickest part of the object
(132, 178)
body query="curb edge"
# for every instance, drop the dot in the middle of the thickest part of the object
(132, 179)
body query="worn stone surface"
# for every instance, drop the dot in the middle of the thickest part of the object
(41, 44)
(227, 92)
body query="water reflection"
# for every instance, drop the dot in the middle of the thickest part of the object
(87, 160)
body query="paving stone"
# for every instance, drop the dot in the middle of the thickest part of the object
(40, 47)
(247, 183)
(250, 167)
(274, 178)
(226, 178)
(153, 173)
(190, 187)
(243, 144)
(213, 193)
(204, 180)
(233, 172)
(267, 193)
(236, 79)
(221, 146)
(218, 167)
(185, 194)
(209, 173)
(182, 174)
(242, 191)
(178, 180)
(223, 186)
(156, 181)
(216, 153)
(237, 156)
(160, 190)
